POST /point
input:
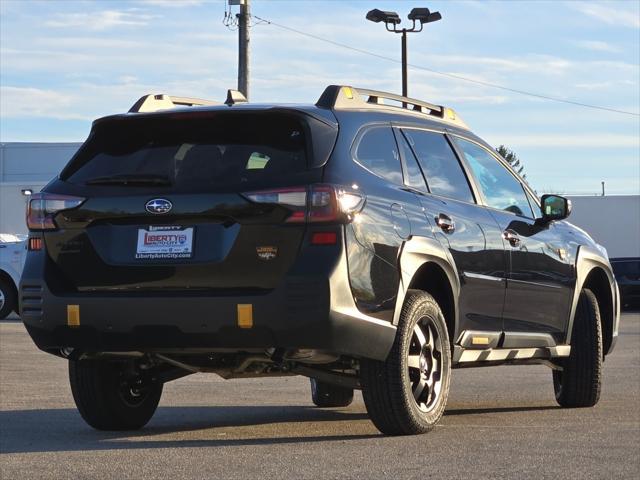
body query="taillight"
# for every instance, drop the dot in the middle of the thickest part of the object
(42, 207)
(314, 204)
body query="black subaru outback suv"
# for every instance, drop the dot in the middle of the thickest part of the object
(368, 242)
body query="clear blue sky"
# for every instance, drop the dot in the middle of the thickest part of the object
(64, 63)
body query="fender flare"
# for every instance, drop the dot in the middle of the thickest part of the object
(587, 260)
(416, 252)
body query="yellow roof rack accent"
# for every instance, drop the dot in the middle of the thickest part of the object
(153, 103)
(342, 97)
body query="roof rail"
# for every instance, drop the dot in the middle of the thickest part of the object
(153, 103)
(345, 97)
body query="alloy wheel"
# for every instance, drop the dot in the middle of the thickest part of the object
(424, 361)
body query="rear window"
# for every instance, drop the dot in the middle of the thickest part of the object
(220, 152)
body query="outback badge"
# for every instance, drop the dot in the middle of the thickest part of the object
(267, 252)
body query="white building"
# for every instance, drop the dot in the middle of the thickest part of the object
(27, 167)
(612, 220)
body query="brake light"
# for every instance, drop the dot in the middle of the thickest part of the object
(314, 204)
(42, 207)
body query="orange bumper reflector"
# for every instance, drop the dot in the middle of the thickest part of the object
(245, 315)
(73, 315)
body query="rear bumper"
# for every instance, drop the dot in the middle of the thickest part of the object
(311, 310)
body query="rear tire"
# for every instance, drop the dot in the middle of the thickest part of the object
(327, 395)
(580, 381)
(8, 298)
(407, 393)
(110, 397)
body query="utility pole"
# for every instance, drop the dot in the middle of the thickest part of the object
(243, 48)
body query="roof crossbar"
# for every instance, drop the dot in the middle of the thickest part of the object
(377, 97)
(344, 97)
(153, 103)
(340, 96)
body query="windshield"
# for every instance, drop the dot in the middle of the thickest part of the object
(223, 152)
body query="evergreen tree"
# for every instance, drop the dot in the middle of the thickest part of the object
(510, 156)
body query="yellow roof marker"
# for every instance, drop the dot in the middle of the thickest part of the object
(245, 315)
(348, 92)
(73, 315)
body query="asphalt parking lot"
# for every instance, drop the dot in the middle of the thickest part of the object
(500, 423)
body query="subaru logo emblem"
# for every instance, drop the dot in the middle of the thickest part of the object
(158, 206)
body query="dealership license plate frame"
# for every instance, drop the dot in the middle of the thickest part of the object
(165, 242)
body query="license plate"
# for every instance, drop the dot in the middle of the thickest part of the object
(170, 242)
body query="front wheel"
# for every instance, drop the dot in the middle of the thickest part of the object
(407, 393)
(580, 381)
(111, 396)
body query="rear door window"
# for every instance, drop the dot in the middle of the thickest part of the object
(377, 152)
(440, 165)
(501, 189)
(224, 153)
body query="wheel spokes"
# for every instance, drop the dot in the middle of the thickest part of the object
(413, 361)
(417, 331)
(419, 390)
(424, 362)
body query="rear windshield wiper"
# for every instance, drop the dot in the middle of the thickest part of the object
(130, 179)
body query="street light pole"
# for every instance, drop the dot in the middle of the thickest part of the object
(404, 63)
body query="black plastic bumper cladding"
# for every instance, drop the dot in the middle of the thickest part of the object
(304, 311)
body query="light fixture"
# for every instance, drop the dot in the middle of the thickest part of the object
(378, 16)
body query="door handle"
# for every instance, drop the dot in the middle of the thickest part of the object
(445, 223)
(512, 237)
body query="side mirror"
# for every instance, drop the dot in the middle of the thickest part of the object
(555, 207)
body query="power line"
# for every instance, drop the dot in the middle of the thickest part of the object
(445, 74)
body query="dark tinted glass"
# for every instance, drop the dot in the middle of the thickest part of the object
(377, 151)
(213, 154)
(413, 176)
(441, 167)
(500, 188)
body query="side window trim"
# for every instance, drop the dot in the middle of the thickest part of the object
(475, 192)
(400, 137)
(475, 180)
(356, 143)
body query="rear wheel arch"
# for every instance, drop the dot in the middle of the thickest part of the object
(425, 265)
(432, 279)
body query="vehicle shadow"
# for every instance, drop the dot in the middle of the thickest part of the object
(56, 430)
(478, 411)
